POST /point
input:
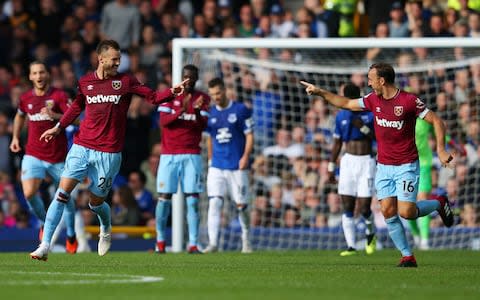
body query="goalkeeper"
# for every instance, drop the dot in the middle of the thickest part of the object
(420, 228)
(357, 170)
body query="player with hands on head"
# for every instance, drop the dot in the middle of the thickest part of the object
(44, 105)
(229, 145)
(398, 171)
(105, 96)
(357, 170)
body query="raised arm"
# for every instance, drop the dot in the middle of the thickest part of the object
(156, 97)
(334, 99)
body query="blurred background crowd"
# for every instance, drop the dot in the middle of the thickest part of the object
(290, 186)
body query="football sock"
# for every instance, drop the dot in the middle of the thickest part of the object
(348, 225)
(193, 220)
(244, 219)
(369, 224)
(412, 224)
(162, 212)
(424, 223)
(214, 216)
(103, 214)
(69, 215)
(397, 234)
(37, 207)
(54, 214)
(426, 207)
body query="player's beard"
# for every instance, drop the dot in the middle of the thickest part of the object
(112, 70)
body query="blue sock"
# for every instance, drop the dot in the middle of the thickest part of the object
(103, 214)
(426, 207)
(54, 214)
(162, 211)
(193, 220)
(397, 234)
(70, 218)
(37, 207)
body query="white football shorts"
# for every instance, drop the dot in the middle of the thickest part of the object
(357, 175)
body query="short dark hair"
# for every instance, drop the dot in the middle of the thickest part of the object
(384, 70)
(217, 81)
(141, 176)
(351, 91)
(107, 44)
(191, 68)
(38, 62)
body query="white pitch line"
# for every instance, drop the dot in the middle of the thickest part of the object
(113, 278)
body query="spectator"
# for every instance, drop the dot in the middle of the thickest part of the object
(48, 22)
(474, 24)
(121, 22)
(125, 211)
(281, 23)
(6, 160)
(136, 182)
(470, 216)
(437, 27)
(398, 26)
(246, 28)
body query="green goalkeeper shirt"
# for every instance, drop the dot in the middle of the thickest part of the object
(423, 129)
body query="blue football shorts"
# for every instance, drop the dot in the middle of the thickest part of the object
(33, 167)
(100, 167)
(183, 168)
(398, 181)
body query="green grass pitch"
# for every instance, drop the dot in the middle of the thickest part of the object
(262, 275)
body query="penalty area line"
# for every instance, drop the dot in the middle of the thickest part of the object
(88, 278)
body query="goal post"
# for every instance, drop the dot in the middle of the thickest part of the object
(268, 81)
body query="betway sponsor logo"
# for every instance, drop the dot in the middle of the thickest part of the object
(39, 117)
(390, 124)
(104, 99)
(188, 117)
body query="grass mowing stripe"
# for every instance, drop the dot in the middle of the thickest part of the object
(441, 275)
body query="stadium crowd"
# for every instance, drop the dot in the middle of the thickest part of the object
(289, 171)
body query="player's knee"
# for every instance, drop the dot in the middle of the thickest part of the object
(62, 196)
(215, 206)
(365, 211)
(409, 213)
(215, 202)
(29, 193)
(389, 211)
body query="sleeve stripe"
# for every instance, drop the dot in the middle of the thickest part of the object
(423, 113)
(204, 113)
(361, 102)
(164, 109)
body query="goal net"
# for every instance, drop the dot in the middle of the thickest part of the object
(293, 205)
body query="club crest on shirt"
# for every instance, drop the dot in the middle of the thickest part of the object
(116, 84)
(176, 103)
(213, 120)
(89, 87)
(398, 110)
(29, 106)
(232, 118)
(49, 103)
